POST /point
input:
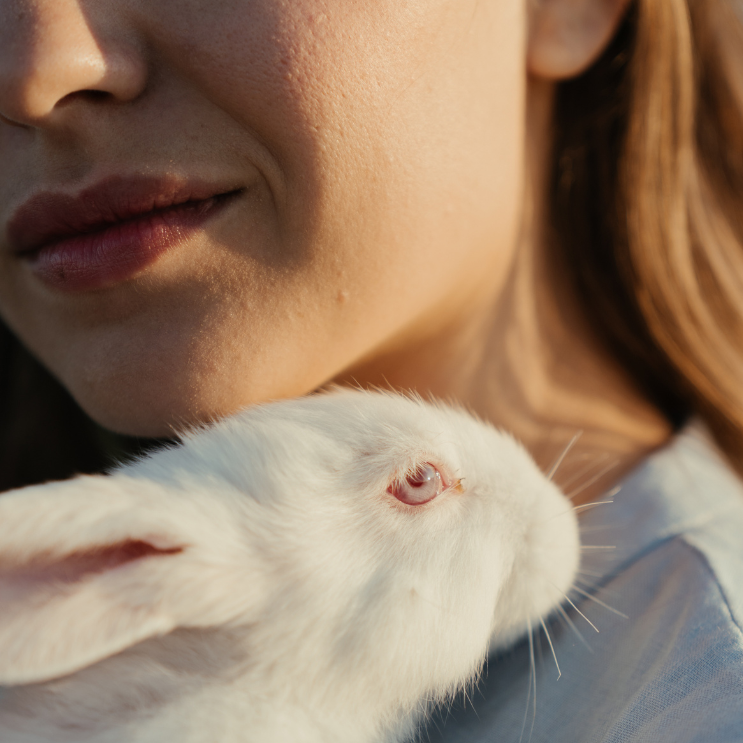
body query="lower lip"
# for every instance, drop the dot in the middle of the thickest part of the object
(97, 260)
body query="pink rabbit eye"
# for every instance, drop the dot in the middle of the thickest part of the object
(419, 487)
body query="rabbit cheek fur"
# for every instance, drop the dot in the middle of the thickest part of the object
(261, 582)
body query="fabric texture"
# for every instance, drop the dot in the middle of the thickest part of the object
(672, 670)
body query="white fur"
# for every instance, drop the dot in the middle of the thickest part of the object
(285, 594)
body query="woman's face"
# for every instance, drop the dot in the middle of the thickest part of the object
(370, 153)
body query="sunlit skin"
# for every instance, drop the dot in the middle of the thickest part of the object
(390, 229)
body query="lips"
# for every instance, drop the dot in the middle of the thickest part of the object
(111, 231)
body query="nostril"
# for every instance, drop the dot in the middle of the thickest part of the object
(90, 95)
(94, 95)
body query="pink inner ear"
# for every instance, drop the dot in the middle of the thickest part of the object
(74, 567)
(57, 614)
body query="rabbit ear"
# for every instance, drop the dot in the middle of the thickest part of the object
(91, 566)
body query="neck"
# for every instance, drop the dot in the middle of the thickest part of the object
(527, 359)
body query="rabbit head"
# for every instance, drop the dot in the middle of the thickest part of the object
(352, 552)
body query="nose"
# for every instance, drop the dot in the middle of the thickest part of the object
(52, 53)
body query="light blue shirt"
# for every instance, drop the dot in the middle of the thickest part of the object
(672, 672)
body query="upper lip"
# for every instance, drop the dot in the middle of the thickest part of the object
(49, 217)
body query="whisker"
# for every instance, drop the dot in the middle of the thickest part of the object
(599, 602)
(528, 696)
(581, 613)
(594, 586)
(576, 508)
(588, 484)
(572, 626)
(589, 573)
(584, 470)
(567, 598)
(587, 547)
(560, 459)
(594, 503)
(589, 585)
(534, 676)
(552, 648)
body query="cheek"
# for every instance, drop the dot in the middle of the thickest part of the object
(388, 136)
(396, 128)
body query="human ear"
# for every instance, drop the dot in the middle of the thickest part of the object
(567, 36)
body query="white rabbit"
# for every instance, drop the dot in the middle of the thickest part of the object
(277, 578)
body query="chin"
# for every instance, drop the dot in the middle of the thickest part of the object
(147, 413)
(147, 403)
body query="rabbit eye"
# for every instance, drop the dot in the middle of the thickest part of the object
(419, 487)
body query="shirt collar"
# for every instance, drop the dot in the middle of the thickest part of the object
(681, 487)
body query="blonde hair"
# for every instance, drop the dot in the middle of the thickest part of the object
(648, 205)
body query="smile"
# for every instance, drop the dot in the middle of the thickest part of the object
(110, 232)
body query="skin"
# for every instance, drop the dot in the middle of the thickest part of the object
(391, 231)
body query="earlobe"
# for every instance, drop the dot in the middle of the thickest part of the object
(567, 36)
